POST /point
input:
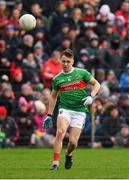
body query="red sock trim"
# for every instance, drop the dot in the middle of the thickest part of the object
(56, 156)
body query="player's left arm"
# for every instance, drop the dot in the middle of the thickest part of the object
(95, 86)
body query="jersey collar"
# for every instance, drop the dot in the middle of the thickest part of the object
(68, 72)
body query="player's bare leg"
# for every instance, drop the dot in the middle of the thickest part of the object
(73, 141)
(62, 126)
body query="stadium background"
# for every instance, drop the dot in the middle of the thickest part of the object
(98, 33)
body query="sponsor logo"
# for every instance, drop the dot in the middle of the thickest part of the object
(73, 86)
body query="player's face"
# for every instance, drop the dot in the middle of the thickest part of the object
(67, 63)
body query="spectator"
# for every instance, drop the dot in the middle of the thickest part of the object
(109, 31)
(105, 10)
(114, 56)
(122, 137)
(30, 67)
(83, 60)
(89, 18)
(125, 42)
(59, 16)
(75, 22)
(124, 104)
(109, 85)
(93, 51)
(71, 4)
(17, 81)
(56, 40)
(102, 21)
(40, 36)
(124, 79)
(14, 19)
(124, 11)
(25, 122)
(39, 54)
(120, 26)
(50, 68)
(28, 42)
(111, 127)
(4, 56)
(45, 97)
(65, 44)
(19, 6)
(114, 5)
(4, 82)
(3, 15)
(9, 127)
(83, 41)
(36, 10)
(16, 62)
(11, 39)
(27, 92)
(41, 137)
(7, 99)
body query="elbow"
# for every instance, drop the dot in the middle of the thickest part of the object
(98, 86)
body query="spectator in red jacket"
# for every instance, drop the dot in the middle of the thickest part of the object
(124, 11)
(50, 68)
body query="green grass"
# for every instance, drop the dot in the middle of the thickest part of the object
(88, 163)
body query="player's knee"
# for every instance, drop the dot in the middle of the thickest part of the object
(60, 132)
(73, 142)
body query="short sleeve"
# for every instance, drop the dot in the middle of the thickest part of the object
(54, 85)
(87, 75)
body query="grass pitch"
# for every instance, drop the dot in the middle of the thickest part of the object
(88, 163)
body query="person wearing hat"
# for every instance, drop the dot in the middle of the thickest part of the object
(119, 26)
(83, 60)
(93, 50)
(41, 137)
(40, 55)
(24, 120)
(17, 81)
(109, 30)
(9, 127)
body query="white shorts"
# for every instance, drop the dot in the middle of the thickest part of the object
(76, 119)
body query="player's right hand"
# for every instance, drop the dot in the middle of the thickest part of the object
(47, 122)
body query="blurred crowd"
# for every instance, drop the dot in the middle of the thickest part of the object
(98, 33)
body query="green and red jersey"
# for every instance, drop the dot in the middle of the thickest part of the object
(72, 88)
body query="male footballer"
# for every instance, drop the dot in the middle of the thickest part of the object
(71, 86)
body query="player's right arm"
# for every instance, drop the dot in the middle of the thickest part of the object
(52, 102)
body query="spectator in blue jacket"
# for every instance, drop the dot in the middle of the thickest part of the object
(124, 79)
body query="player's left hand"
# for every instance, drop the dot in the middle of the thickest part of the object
(88, 100)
